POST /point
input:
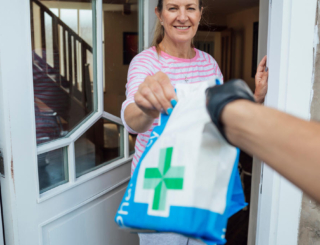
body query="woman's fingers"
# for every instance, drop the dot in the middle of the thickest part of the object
(157, 90)
(149, 95)
(265, 76)
(145, 106)
(262, 65)
(142, 102)
(156, 93)
(166, 85)
(164, 91)
(262, 71)
(263, 62)
(261, 80)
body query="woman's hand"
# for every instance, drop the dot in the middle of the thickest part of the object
(155, 95)
(261, 81)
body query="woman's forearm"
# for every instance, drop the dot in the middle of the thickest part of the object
(137, 119)
(289, 145)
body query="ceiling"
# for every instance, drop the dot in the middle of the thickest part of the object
(228, 6)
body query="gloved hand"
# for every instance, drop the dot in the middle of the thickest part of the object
(220, 95)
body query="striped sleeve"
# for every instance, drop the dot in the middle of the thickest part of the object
(216, 68)
(140, 67)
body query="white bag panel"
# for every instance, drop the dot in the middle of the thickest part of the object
(197, 146)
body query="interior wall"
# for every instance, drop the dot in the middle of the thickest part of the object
(242, 26)
(115, 24)
(215, 37)
(213, 19)
(309, 230)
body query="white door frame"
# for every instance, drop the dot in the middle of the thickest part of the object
(290, 58)
(256, 166)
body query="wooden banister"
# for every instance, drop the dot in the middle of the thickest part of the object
(65, 52)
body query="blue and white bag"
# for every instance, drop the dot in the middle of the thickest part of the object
(187, 179)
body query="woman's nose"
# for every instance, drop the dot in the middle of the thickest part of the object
(182, 17)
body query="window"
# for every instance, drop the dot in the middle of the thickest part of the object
(74, 135)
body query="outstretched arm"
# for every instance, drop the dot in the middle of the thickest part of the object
(289, 145)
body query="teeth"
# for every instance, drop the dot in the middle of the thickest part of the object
(182, 27)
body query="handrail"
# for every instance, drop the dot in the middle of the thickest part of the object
(67, 52)
(60, 22)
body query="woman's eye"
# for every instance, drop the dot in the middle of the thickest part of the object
(191, 8)
(172, 8)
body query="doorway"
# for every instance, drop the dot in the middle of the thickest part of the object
(229, 31)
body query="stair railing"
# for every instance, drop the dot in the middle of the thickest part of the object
(68, 52)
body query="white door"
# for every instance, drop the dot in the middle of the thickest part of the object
(67, 159)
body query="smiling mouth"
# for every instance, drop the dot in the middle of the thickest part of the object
(182, 27)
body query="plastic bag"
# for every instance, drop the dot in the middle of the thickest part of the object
(187, 180)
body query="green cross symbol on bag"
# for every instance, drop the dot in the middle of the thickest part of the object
(163, 178)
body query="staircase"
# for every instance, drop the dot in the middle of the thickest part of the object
(63, 92)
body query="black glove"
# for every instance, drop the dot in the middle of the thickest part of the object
(220, 95)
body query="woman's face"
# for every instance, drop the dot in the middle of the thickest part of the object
(180, 19)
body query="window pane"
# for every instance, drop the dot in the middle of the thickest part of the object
(63, 72)
(36, 30)
(55, 11)
(53, 169)
(70, 17)
(100, 145)
(120, 46)
(48, 36)
(132, 143)
(86, 25)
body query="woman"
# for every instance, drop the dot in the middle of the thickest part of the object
(154, 73)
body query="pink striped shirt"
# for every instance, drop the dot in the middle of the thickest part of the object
(200, 68)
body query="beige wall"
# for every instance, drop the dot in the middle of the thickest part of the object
(215, 37)
(242, 25)
(115, 72)
(213, 19)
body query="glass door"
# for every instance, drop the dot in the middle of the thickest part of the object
(72, 155)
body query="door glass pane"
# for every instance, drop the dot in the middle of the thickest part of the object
(63, 65)
(53, 169)
(132, 143)
(100, 145)
(120, 46)
(48, 37)
(70, 17)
